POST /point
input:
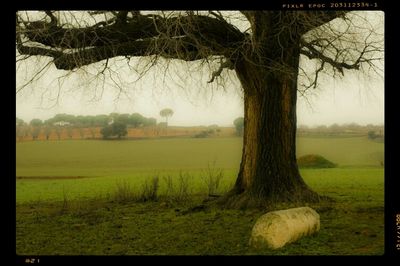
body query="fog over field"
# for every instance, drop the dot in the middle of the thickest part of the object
(340, 101)
(358, 96)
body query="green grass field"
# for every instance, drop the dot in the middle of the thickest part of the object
(345, 151)
(100, 158)
(58, 213)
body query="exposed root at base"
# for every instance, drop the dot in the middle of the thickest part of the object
(245, 200)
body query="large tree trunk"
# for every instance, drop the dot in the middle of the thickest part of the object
(268, 171)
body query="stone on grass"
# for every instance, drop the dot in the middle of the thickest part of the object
(278, 228)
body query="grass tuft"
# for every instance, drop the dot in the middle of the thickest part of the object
(123, 192)
(149, 190)
(65, 202)
(183, 192)
(212, 178)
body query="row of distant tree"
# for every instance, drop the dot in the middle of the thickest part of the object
(351, 128)
(116, 124)
(133, 120)
(68, 122)
(373, 131)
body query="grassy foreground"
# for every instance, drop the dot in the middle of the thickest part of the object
(87, 216)
(352, 225)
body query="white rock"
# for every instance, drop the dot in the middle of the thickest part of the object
(276, 229)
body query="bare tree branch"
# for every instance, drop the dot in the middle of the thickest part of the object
(187, 38)
(194, 35)
(121, 17)
(313, 53)
(227, 64)
(52, 17)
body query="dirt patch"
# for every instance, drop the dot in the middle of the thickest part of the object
(51, 177)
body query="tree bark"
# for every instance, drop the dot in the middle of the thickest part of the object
(268, 171)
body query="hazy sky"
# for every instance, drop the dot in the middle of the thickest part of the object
(356, 98)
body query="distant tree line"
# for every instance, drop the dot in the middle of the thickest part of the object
(133, 120)
(373, 131)
(70, 122)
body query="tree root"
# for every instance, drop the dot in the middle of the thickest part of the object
(246, 200)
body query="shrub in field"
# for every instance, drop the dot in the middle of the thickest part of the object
(117, 129)
(206, 133)
(202, 134)
(314, 161)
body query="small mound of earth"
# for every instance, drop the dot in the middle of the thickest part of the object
(314, 161)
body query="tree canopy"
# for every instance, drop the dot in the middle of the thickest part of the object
(166, 112)
(36, 122)
(117, 129)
